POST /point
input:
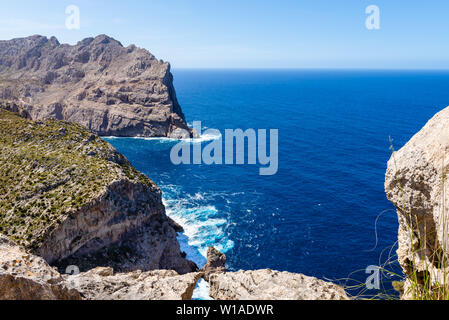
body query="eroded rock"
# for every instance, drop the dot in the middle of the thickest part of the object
(24, 276)
(103, 284)
(272, 285)
(98, 83)
(216, 263)
(416, 181)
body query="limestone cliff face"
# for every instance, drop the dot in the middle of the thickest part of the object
(104, 284)
(416, 180)
(98, 83)
(71, 198)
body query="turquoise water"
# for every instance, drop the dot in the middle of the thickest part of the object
(317, 215)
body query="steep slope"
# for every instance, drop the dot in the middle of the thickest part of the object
(98, 83)
(69, 196)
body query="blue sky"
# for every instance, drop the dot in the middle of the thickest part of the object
(252, 34)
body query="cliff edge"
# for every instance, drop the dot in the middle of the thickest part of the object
(109, 89)
(71, 198)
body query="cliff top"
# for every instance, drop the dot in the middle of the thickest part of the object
(48, 170)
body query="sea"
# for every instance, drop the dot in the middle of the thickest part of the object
(324, 213)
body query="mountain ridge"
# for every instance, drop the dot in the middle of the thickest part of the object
(110, 89)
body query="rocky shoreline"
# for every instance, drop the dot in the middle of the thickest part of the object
(69, 198)
(24, 276)
(70, 201)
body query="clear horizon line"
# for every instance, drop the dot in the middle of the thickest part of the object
(311, 68)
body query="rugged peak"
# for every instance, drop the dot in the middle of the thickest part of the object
(104, 39)
(98, 83)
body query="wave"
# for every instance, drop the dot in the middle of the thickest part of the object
(202, 138)
(203, 228)
(201, 291)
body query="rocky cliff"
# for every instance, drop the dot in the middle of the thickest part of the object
(98, 83)
(71, 198)
(416, 183)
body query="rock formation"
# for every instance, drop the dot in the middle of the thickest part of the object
(272, 285)
(216, 263)
(98, 83)
(103, 284)
(416, 180)
(71, 198)
(26, 277)
(264, 284)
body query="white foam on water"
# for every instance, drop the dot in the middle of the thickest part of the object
(203, 228)
(202, 138)
(203, 225)
(201, 291)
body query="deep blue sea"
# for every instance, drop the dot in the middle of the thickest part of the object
(318, 214)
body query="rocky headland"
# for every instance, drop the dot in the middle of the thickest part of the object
(109, 89)
(77, 220)
(71, 198)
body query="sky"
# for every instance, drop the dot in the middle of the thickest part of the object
(413, 34)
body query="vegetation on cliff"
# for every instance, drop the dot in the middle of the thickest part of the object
(49, 170)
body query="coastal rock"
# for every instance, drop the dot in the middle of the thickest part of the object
(216, 263)
(103, 284)
(71, 198)
(98, 83)
(27, 277)
(24, 276)
(416, 180)
(272, 285)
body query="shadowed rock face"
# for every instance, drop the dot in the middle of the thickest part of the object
(416, 180)
(98, 83)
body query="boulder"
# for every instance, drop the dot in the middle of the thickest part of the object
(216, 263)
